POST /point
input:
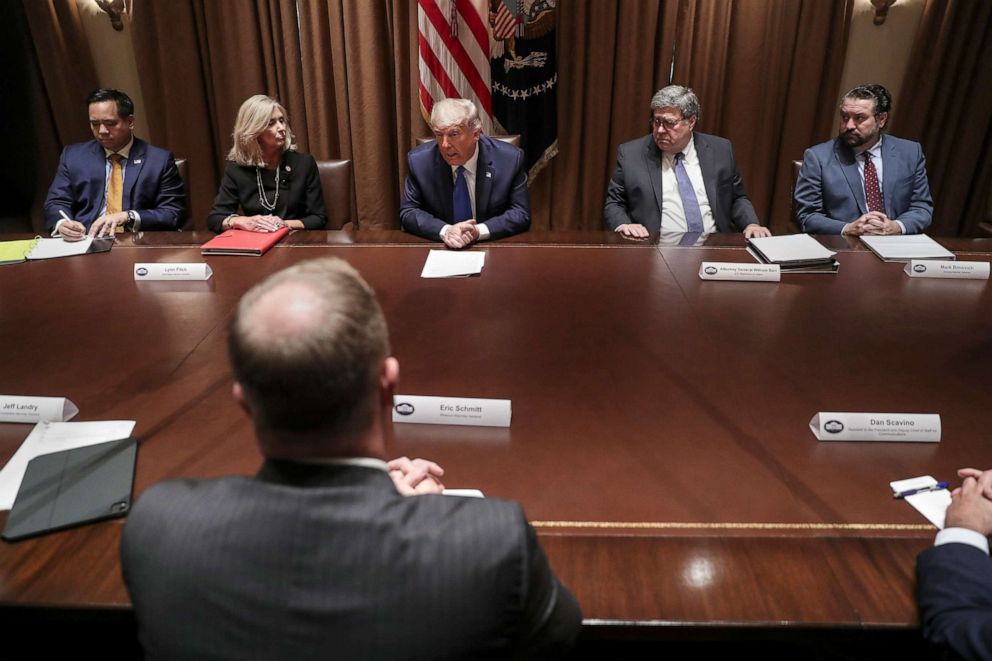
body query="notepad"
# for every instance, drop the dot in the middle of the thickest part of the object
(903, 248)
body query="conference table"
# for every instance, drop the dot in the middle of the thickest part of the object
(660, 439)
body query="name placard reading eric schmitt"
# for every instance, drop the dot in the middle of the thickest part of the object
(452, 411)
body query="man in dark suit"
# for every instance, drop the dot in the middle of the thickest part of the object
(115, 180)
(862, 182)
(955, 576)
(677, 180)
(464, 187)
(319, 555)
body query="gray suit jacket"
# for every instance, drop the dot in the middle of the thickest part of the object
(310, 561)
(634, 192)
(829, 193)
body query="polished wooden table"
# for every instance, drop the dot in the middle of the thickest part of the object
(660, 440)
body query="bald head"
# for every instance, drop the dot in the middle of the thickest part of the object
(307, 347)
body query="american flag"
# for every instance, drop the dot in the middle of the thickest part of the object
(454, 54)
(508, 21)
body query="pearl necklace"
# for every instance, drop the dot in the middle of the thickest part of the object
(262, 199)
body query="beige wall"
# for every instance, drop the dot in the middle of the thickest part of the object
(879, 53)
(113, 56)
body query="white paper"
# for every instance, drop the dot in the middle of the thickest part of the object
(931, 504)
(48, 437)
(741, 272)
(452, 411)
(17, 408)
(170, 271)
(791, 248)
(921, 268)
(464, 493)
(49, 248)
(898, 427)
(453, 264)
(904, 247)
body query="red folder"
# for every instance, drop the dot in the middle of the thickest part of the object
(242, 242)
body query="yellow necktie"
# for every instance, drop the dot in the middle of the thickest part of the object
(115, 189)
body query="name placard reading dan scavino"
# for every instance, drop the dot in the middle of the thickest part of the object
(452, 411)
(31, 410)
(179, 271)
(740, 272)
(899, 427)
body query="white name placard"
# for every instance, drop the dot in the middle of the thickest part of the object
(745, 272)
(17, 408)
(925, 268)
(901, 427)
(162, 271)
(452, 411)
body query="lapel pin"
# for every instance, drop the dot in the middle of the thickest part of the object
(289, 169)
(489, 175)
(137, 161)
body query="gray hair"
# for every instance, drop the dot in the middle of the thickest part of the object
(455, 112)
(676, 96)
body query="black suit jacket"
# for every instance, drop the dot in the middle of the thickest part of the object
(300, 196)
(310, 561)
(502, 201)
(954, 582)
(634, 192)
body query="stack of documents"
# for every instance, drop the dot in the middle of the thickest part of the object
(906, 247)
(795, 253)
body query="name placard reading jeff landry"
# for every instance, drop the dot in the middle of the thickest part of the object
(452, 411)
(17, 408)
(900, 427)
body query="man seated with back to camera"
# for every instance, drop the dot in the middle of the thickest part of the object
(320, 555)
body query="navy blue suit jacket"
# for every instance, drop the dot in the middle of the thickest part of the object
(829, 193)
(954, 585)
(152, 186)
(312, 561)
(502, 201)
(634, 192)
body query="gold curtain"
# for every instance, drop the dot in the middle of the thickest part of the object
(947, 106)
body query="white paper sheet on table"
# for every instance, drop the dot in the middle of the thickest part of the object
(451, 264)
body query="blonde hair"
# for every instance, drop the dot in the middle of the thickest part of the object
(253, 118)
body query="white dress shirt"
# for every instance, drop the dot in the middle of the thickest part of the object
(672, 213)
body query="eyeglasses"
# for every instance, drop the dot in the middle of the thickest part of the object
(669, 124)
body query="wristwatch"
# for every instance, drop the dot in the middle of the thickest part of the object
(132, 219)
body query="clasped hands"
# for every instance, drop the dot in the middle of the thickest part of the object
(105, 225)
(872, 223)
(638, 231)
(971, 503)
(415, 477)
(461, 235)
(258, 223)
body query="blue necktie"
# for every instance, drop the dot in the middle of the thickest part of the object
(690, 205)
(462, 202)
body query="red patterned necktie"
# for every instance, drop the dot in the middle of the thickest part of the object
(873, 192)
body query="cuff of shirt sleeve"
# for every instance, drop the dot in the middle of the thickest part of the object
(443, 231)
(55, 231)
(901, 226)
(136, 226)
(483, 231)
(962, 536)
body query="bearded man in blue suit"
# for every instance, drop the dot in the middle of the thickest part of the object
(115, 180)
(465, 186)
(862, 182)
